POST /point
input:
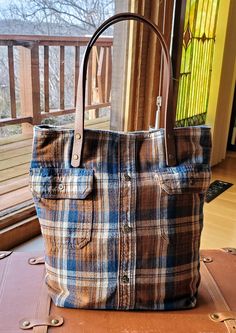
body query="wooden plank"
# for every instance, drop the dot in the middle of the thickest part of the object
(15, 153)
(4, 213)
(62, 77)
(177, 44)
(19, 233)
(104, 126)
(55, 113)
(14, 161)
(11, 216)
(88, 97)
(14, 145)
(108, 73)
(89, 123)
(14, 172)
(101, 75)
(220, 218)
(151, 88)
(55, 39)
(12, 81)
(14, 198)
(14, 138)
(25, 80)
(76, 71)
(46, 78)
(94, 113)
(35, 84)
(11, 185)
(10, 121)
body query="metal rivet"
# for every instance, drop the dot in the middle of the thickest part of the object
(75, 157)
(55, 321)
(207, 259)
(78, 136)
(127, 228)
(215, 316)
(26, 323)
(125, 279)
(61, 187)
(127, 177)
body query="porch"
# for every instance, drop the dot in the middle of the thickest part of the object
(40, 93)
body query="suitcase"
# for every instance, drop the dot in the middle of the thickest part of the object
(25, 303)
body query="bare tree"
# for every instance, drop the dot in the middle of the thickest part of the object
(85, 15)
(61, 17)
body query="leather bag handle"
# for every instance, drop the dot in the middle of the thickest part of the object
(167, 84)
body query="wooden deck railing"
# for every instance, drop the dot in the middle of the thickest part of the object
(31, 104)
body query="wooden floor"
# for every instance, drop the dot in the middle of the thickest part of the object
(220, 214)
(15, 154)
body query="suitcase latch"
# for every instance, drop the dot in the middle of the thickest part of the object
(223, 316)
(52, 321)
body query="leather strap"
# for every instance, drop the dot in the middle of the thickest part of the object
(43, 308)
(167, 88)
(221, 305)
(41, 324)
(42, 318)
(223, 316)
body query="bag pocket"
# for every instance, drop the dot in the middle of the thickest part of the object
(182, 194)
(184, 179)
(64, 205)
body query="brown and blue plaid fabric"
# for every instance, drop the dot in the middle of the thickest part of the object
(123, 230)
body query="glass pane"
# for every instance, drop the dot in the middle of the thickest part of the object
(196, 63)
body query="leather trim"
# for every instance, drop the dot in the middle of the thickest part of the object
(53, 321)
(44, 305)
(42, 320)
(222, 316)
(4, 254)
(230, 250)
(218, 299)
(36, 260)
(167, 88)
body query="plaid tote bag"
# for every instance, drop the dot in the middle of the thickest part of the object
(121, 213)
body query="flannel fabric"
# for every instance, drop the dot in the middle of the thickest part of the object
(122, 231)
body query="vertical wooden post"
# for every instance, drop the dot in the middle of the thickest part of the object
(62, 77)
(46, 78)
(137, 65)
(177, 45)
(88, 97)
(101, 75)
(119, 68)
(76, 70)
(108, 74)
(29, 86)
(12, 81)
(94, 113)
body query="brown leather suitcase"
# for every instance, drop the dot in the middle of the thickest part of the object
(25, 304)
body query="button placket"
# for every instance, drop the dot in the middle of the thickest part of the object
(126, 229)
